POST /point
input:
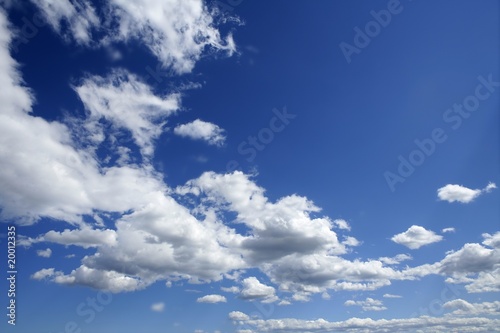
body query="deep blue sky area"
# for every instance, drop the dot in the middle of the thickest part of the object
(390, 128)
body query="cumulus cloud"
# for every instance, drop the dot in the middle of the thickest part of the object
(369, 304)
(277, 229)
(202, 130)
(254, 289)
(477, 266)
(391, 296)
(462, 194)
(155, 233)
(158, 307)
(461, 307)
(424, 324)
(212, 299)
(237, 315)
(445, 230)
(44, 253)
(416, 237)
(43, 273)
(154, 237)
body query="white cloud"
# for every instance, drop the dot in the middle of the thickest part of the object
(317, 272)
(58, 180)
(491, 186)
(474, 265)
(78, 15)
(351, 241)
(445, 230)
(391, 296)
(471, 258)
(176, 31)
(128, 103)
(237, 315)
(254, 289)
(416, 237)
(277, 229)
(202, 130)
(464, 308)
(484, 282)
(104, 280)
(232, 289)
(396, 259)
(44, 253)
(342, 224)
(43, 274)
(462, 194)
(212, 299)
(152, 237)
(158, 307)
(369, 304)
(492, 240)
(85, 237)
(424, 324)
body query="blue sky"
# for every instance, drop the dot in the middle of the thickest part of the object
(251, 166)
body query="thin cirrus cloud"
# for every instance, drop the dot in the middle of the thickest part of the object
(158, 307)
(202, 130)
(416, 237)
(79, 16)
(123, 100)
(462, 194)
(176, 31)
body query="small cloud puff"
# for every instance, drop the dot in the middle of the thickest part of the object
(202, 130)
(462, 194)
(416, 237)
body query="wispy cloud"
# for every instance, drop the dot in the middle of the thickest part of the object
(369, 304)
(158, 307)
